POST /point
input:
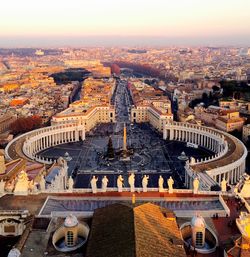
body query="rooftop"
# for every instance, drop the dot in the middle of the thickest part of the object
(130, 231)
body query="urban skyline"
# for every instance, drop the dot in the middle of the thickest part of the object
(125, 128)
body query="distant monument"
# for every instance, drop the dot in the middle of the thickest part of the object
(170, 185)
(104, 184)
(160, 184)
(131, 181)
(120, 183)
(110, 150)
(145, 183)
(196, 184)
(93, 184)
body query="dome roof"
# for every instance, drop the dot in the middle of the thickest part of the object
(198, 221)
(71, 221)
(14, 253)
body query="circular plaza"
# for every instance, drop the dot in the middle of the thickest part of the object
(151, 155)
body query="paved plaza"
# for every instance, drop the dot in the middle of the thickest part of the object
(151, 154)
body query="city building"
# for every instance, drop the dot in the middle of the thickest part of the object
(246, 133)
(94, 106)
(223, 119)
(149, 105)
(5, 122)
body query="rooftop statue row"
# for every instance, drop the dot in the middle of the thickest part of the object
(131, 182)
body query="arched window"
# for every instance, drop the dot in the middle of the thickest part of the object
(70, 238)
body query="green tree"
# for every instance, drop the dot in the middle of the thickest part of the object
(110, 150)
(25, 124)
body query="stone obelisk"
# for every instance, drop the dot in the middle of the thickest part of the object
(125, 156)
(124, 140)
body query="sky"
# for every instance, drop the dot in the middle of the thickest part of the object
(121, 22)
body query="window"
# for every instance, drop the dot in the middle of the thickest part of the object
(199, 239)
(9, 229)
(70, 238)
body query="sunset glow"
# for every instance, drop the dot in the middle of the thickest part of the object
(171, 19)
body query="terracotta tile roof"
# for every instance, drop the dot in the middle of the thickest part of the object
(123, 230)
(112, 232)
(156, 234)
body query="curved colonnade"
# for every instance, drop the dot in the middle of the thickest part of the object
(41, 139)
(228, 161)
(229, 154)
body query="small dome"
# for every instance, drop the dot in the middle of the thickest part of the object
(71, 221)
(14, 253)
(198, 221)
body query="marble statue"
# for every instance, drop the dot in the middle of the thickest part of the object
(223, 185)
(93, 184)
(61, 161)
(196, 184)
(56, 183)
(70, 184)
(42, 184)
(2, 185)
(145, 183)
(160, 184)
(104, 184)
(35, 187)
(10, 185)
(245, 191)
(31, 186)
(22, 184)
(2, 165)
(192, 161)
(170, 185)
(131, 181)
(120, 183)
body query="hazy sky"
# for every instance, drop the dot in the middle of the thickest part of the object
(76, 22)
